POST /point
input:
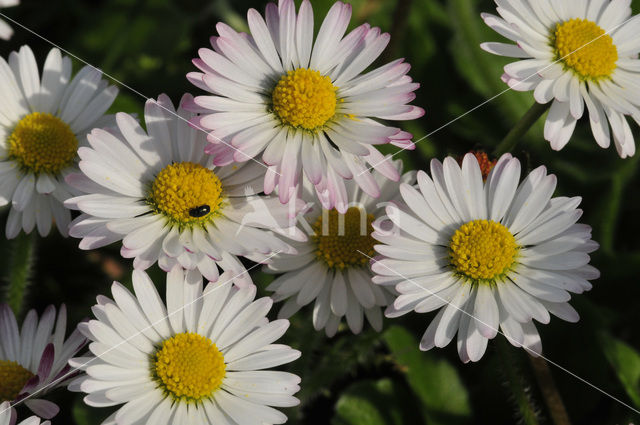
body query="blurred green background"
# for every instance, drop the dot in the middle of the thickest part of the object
(375, 379)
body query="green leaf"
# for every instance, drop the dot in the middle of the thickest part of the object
(384, 402)
(626, 363)
(434, 380)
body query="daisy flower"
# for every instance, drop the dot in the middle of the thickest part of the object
(8, 417)
(33, 359)
(43, 121)
(487, 255)
(574, 53)
(330, 268)
(5, 30)
(160, 194)
(198, 359)
(305, 105)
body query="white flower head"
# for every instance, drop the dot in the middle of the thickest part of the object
(197, 359)
(33, 358)
(5, 30)
(332, 266)
(43, 121)
(304, 105)
(486, 255)
(574, 53)
(158, 192)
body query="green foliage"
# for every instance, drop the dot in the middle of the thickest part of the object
(434, 381)
(482, 70)
(625, 360)
(323, 363)
(382, 402)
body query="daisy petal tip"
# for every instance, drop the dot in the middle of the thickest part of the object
(485, 47)
(488, 332)
(426, 346)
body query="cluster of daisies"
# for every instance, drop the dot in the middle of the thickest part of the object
(277, 165)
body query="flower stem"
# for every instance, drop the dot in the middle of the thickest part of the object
(549, 391)
(20, 266)
(516, 383)
(510, 142)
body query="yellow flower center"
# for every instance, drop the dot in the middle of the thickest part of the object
(304, 98)
(342, 238)
(585, 49)
(482, 249)
(42, 143)
(186, 192)
(13, 378)
(189, 366)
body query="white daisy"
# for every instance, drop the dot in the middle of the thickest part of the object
(8, 417)
(487, 255)
(329, 267)
(159, 193)
(304, 105)
(5, 30)
(197, 360)
(574, 52)
(42, 123)
(33, 359)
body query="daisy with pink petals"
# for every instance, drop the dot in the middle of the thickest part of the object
(33, 359)
(8, 417)
(306, 106)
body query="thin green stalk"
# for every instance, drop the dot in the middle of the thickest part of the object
(398, 28)
(613, 200)
(516, 383)
(549, 391)
(21, 262)
(509, 143)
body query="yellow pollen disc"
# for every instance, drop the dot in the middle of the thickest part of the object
(42, 143)
(339, 249)
(189, 366)
(186, 192)
(304, 98)
(585, 48)
(482, 249)
(13, 378)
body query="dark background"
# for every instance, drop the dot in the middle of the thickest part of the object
(379, 379)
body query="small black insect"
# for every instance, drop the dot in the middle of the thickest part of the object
(200, 211)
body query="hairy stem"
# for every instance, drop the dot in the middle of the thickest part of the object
(516, 383)
(509, 143)
(549, 391)
(21, 262)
